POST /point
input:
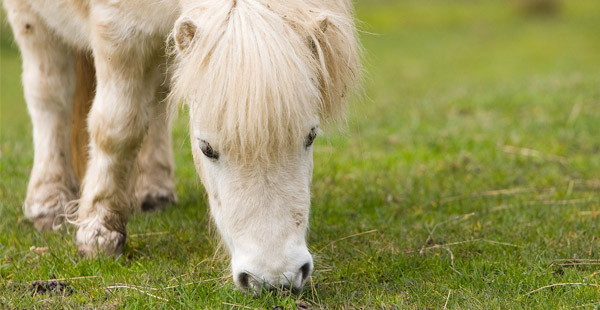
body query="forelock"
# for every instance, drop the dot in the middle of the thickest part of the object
(251, 78)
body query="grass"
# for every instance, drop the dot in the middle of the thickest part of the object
(467, 179)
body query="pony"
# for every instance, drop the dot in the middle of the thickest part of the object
(258, 77)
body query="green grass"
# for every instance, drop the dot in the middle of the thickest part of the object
(457, 92)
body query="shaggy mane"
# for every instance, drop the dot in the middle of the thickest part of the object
(258, 71)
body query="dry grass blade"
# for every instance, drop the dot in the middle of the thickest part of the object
(447, 299)
(149, 234)
(313, 292)
(145, 289)
(330, 283)
(69, 279)
(527, 152)
(558, 284)
(136, 289)
(592, 213)
(577, 260)
(574, 112)
(570, 262)
(490, 193)
(597, 303)
(347, 237)
(452, 260)
(235, 305)
(565, 202)
(38, 250)
(196, 282)
(578, 264)
(501, 243)
(438, 246)
(592, 184)
(501, 207)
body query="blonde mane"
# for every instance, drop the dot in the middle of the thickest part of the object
(258, 71)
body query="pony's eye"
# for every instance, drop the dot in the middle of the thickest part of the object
(208, 150)
(311, 137)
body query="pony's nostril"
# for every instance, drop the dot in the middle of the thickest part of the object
(244, 280)
(305, 269)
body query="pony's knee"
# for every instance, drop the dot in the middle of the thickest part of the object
(117, 134)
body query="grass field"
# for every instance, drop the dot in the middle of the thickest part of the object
(467, 178)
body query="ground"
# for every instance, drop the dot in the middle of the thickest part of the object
(465, 177)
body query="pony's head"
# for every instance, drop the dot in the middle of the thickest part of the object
(258, 77)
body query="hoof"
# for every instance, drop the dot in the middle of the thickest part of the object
(156, 202)
(94, 238)
(45, 206)
(47, 223)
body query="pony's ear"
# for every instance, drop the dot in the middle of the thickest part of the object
(323, 23)
(318, 33)
(185, 31)
(332, 40)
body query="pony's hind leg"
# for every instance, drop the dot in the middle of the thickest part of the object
(49, 84)
(155, 186)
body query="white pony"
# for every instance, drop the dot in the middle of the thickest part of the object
(258, 77)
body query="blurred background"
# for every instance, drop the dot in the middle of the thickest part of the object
(430, 54)
(433, 58)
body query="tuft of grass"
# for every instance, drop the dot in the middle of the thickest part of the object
(467, 179)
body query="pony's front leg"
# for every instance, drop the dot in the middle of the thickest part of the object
(118, 122)
(49, 84)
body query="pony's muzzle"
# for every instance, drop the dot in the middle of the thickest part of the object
(288, 281)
